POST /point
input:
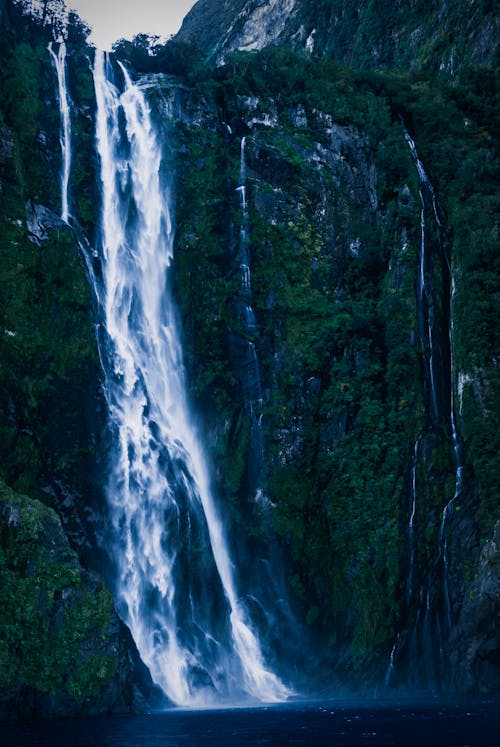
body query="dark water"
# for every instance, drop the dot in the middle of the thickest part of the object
(319, 724)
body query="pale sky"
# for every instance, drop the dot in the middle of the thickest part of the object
(122, 19)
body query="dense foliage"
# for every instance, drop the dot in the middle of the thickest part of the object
(54, 622)
(59, 634)
(335, 299)
(334, 238)
(47, 350)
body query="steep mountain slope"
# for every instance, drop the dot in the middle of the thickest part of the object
(336, 270)
(432, 36)
(428, 38)
(356, 374)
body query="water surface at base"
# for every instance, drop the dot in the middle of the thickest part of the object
(317, 724)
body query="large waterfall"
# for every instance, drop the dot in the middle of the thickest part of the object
(176, 585)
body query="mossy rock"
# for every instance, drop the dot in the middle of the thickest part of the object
(62, 648)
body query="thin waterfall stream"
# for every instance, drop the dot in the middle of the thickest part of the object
(427, 311)
(429, 626)
(252, 380)
(411, 521)
(176, 584)
(59, 61)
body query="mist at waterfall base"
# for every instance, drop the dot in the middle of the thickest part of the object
(329, 723)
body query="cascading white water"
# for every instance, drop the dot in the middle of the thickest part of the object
(59, 61)
(175, 582)
(459, 469)
(411, 522)
(426, 310)
(253, 389)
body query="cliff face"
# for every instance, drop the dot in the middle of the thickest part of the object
(63, 649)
(339, 326)
(431, 36)
(356, 419)
(475, 642)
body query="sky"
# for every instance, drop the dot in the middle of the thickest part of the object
(122, 19)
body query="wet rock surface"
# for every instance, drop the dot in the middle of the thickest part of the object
(475, 642)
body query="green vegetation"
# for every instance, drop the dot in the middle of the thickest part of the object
(47, 356)
(47, 348)
(334, 215)
(54, 622)
(434, 38)
(333, 279)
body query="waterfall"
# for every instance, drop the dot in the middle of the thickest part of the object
(459, 469)
(411, 521)
(426, 185)
(252, 384)
(176, 585)
(428, 617)
(390, 667)
(425, 308)
(59, 61)
(246, 283)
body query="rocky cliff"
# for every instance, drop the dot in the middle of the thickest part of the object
(339, 326)
(63, 649)
(359, 460)
(433, 36)
(474, 644)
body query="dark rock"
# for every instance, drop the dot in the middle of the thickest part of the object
(73, 657)
(39, 221)
(398, 34)
(6, 145)
(475, 641)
